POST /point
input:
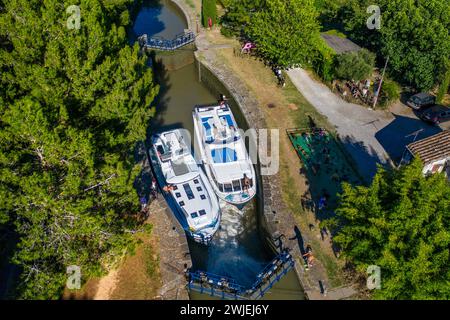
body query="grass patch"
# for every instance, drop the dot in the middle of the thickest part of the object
(190, 3)
(151, 260)
(334, 270)
(337, 33)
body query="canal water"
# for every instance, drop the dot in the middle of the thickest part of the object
(238, 250)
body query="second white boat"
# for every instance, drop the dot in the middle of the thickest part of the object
(223, 153)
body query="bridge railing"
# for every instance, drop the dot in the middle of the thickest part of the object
(161, 43)
(228, 288)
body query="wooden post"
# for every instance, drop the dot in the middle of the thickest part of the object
(377, 93)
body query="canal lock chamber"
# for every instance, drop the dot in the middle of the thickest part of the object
(242, 247)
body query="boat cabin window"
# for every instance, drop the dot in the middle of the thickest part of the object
(163, 154)
(202, 196)
(202, 212)
(160, 149)
(194, 215)
(181, 203)
(199, 188)
(188, 190)
(178, 194)
(228, 187)
(220, 187)
(236, 185)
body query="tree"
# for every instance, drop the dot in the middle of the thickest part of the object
(286, 32)
(414, 34)
(444, 84)
(209, 11)
(238, 14)
(354, 65)
(401, 223)
(73, 105)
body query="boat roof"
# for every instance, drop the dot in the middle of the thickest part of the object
(217, 123)
(177, 162)
(193, 198)
(226, 154)
(189, 188)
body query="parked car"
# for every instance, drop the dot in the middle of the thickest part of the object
(436, 114)
(421, 100)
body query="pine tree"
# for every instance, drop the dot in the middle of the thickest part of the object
(402, 224)
(74, 103)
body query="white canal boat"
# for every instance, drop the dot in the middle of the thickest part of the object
(223, 154)
(190, 194)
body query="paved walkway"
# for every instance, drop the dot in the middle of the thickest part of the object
(173, 251)
(355, 124)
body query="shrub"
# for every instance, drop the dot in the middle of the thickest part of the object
(354, 65)
(444, 85)
(226, 32)
(390, 92)
(323, 64)
(209, 10)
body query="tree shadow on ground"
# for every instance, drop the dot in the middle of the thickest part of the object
(298, 236)
(346, 157)
(363, 159)
(402, 131)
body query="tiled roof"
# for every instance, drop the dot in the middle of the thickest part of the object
(432, 148)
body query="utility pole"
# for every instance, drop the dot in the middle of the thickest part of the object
(377, 93)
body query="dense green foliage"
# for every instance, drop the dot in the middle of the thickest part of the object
(354, 65)
(238, 14)
(402, 224)
(444, 84)
(73, 104)
(390, 92)
(285, 32)
(209, 10)
(414, 34)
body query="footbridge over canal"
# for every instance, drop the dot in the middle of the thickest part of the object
(160, 43)
(227, 288)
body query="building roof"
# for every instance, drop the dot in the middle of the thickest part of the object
(433, 148)
(339, 44)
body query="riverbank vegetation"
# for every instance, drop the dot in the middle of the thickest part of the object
(401, 223)
(354, 65)
(73, 104)
(414, 35)
(286, 33)
(209, 11)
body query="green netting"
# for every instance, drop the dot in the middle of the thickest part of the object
(325, 164)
